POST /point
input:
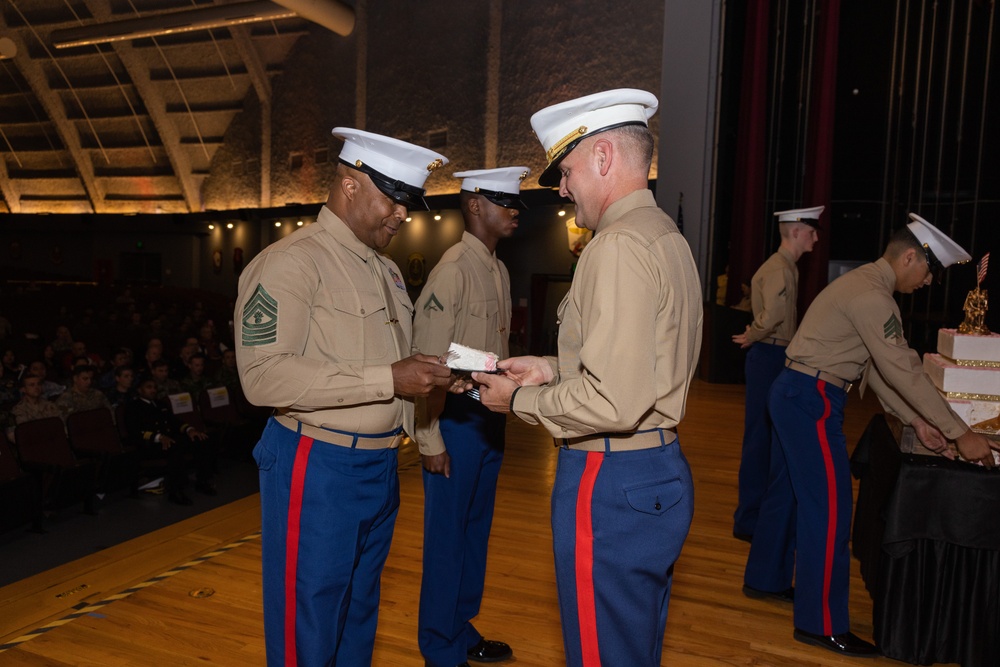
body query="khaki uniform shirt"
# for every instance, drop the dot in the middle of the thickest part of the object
(855, 322)
(774, 291)
(629, 329)
(27, 411)
(466, 300)
(315, 336)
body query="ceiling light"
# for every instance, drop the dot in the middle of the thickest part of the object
(299, 223)
(278, 224)
(229, 225)
(409, 218)
(562, 211)
(211, 226)
(437, 216)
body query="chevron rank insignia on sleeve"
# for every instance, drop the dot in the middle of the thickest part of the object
(892, 328)
(433, 304)
(260, 319)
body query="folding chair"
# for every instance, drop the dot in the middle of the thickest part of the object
(93, 434)
(20, 493)
(45, 451)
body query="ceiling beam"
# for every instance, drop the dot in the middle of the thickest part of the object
(262, 85)
(156, 107)
(36, 78)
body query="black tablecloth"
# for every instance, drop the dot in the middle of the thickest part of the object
(927, 537)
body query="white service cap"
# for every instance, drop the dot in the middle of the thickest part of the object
(809, 216)
(502, 186)
(397, 168)
(941, 251)
(560, 127)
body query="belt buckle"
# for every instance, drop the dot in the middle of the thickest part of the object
(847, 387)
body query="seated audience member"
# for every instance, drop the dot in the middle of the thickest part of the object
(50, 389)
(122, 392)
(157, 433)
(79, 351)
(136, 333)
(179, 368)
(196, 381)
(33, 404)
(10, 372)
(154, 353)
(10, 364)
(209, 343)
(165, 385)
(121, 357)
(228, 375)
(81, 396)
(51, 359)
(63, 341)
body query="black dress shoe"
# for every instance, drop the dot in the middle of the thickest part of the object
(179, 498)
(746, 537)
(787, 595)
(489, 651)
(846, 643)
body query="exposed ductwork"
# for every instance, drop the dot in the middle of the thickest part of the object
(204, 18)
(331, 14)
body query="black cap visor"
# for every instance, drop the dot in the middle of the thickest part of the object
(935, 266)
(409, 196)
(505, 199)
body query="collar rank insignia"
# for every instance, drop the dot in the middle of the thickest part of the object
(892, 328)
(260, 319)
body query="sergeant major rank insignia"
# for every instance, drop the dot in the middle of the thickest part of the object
(892, 328)
(260, 319)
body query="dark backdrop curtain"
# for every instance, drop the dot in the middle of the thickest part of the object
(746, 251)
(819, 149)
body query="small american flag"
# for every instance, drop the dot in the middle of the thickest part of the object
(981, 269)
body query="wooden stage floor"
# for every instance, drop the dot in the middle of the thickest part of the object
(189, 594)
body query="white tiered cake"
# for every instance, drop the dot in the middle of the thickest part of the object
(966, 370)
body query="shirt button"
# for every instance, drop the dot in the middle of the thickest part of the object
(340, 400)
(380, 394)
(656, 506)
(362, 311)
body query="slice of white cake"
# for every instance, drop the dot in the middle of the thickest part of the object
(465, 358)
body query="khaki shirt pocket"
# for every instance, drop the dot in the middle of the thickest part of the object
(357, 329)
(482, 321)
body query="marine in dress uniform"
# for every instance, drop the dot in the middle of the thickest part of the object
(774, 291)
(851, 332)
(467, 301)
(323, 334)
(629, 335)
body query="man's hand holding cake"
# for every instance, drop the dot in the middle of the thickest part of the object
(496, 391)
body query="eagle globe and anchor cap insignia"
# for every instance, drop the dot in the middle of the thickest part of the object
(260, 319)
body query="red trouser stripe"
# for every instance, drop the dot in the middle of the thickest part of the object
(292, 544)
(831, 500)
(586, 606)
